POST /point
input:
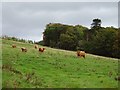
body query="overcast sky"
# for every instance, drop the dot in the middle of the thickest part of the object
(28, 20)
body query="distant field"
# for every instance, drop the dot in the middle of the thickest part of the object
(55, 68)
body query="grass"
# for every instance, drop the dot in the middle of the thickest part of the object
(55, 68)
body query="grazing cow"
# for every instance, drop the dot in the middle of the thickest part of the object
(14, 46)
(117, 78)
(81, 53)
(36, 46)
(24, 49)
(41, 49)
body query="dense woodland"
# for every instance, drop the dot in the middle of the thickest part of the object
(98, 40)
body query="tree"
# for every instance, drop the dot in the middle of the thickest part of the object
(116, 46)
(69, 39)
(96, 23)
(51, 35)
(55, 32)
(104, 41)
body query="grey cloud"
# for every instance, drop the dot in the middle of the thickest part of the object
(119, 14)
(28, 20)
(0, 26)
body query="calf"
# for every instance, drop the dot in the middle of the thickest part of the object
(41, 49)
(24, 49)
(81, 53)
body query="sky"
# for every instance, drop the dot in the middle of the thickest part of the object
(28, 19)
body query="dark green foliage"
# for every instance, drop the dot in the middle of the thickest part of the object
(103, 42)
(116, 45)
(69, 40)
(52, 34)
(63, 36)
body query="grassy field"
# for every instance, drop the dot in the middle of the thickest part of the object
(55, 68)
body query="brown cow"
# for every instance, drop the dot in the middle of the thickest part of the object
(117, 78)
(14, 46)
(41, 49)
(36, 46)
(81, 53)
(24, 49)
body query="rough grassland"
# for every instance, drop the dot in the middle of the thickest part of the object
(55, 68)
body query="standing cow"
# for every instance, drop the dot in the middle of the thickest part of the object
(81, 54)
(24, 49)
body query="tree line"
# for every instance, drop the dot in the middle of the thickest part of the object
(17, 39)
(98, 40)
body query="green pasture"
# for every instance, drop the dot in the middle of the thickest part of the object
(55, 68)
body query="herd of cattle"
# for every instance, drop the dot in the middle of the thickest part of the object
(23, 49)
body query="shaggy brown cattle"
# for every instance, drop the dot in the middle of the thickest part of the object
(117, 78)
(36, 46)
(81, 53)
(14, 46)
(24, 49)
(41, 49)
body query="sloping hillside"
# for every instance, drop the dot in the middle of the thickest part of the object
(55, 68)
